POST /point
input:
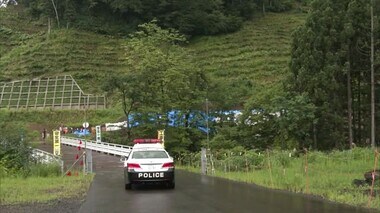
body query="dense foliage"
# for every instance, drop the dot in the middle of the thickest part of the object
(331, 66)
(14, 150)
(196, 17)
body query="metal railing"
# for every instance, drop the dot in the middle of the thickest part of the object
(104, 147)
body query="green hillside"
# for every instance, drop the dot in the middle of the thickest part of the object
(86, 56)
(16, 27)
(8, 40)
(256, 56)
(27, 51)
(17, 19)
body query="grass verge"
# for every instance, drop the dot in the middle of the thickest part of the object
(42, 189)
(327, 175)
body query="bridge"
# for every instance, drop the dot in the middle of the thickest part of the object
(42, 156)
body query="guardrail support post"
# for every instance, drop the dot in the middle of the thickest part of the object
(204, 161)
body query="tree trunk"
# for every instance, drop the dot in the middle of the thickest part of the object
(187, 118)
(349, 100)
(359, 109)
(373, 144)
(127, 111)
(56, 12)
(48, 25)
(315, 136)
(264, 7)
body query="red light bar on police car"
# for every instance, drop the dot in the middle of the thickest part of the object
(143, 140)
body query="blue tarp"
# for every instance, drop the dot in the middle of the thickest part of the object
(81, 132)
(176, 118)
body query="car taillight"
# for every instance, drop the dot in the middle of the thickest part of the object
(133, 166)
(168, 165)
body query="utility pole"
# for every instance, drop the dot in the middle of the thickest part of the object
(204, 167)
(85, 126)
(208, 136)
(373, 144)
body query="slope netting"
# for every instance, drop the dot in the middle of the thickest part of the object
(53, 92)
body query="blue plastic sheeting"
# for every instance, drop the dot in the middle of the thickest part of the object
(81, 132)
(176, 118)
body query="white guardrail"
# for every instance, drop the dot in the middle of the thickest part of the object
(109, 148)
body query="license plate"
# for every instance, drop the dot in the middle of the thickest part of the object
(152, 167)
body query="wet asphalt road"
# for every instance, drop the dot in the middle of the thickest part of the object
(193, 193)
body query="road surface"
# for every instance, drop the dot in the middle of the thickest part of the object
(194, 193)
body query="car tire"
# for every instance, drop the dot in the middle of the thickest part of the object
(128, 186)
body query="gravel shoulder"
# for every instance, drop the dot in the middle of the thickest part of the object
(57, 206)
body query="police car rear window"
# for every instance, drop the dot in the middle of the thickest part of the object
(149, 154)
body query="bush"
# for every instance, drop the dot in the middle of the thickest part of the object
(256, 161)
(16, 154)
(280, 6)
(281, 158)
(14, 149)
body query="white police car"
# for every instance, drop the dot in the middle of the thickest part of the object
(148, 162)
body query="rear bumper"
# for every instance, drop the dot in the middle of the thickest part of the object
(141, 177)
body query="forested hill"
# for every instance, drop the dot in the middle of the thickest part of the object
(303, 79)
(255, 56)
(196, 17)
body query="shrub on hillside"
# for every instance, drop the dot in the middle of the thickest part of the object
(281, 6)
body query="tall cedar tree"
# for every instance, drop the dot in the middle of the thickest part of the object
(330, 61)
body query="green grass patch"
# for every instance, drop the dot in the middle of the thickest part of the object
(329, 175)
(16, 190)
